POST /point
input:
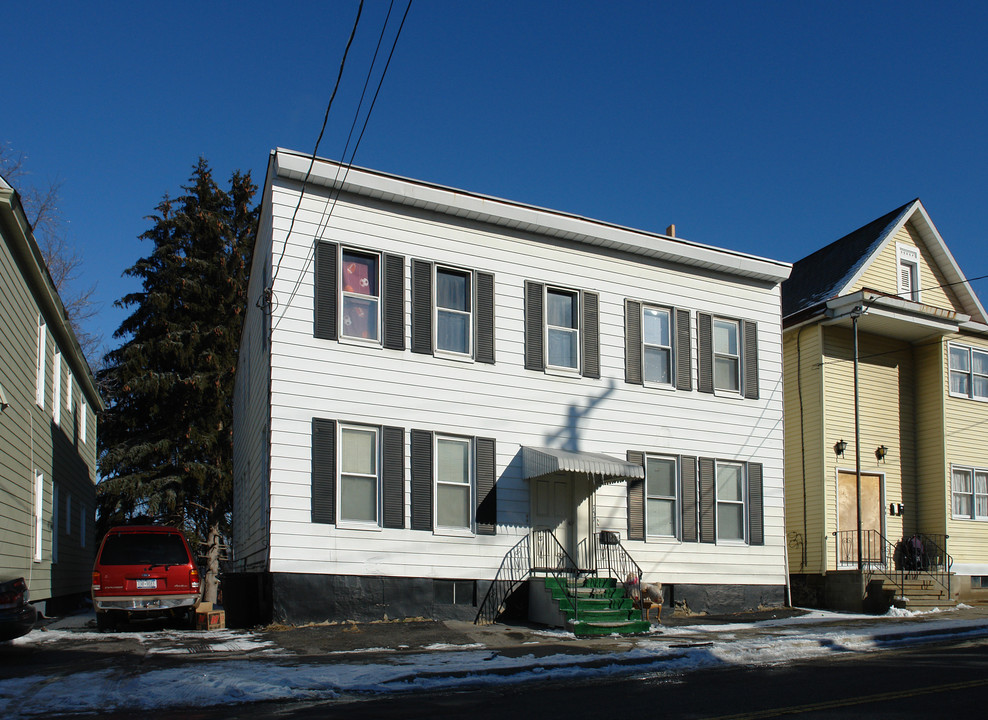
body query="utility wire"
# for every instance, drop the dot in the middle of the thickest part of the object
(336, 87)
(310, 254)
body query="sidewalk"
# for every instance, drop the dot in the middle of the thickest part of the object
(69, 667)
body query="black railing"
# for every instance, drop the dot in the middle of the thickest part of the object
(922, 553)
(919, 554)
(515, 568)
(551, 558)
(613, 559)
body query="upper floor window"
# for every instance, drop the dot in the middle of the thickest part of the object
(452, 312)
(561, 330)
(661, 496)
(359, 295)
(969, 492)
(454, 319)
(56, 402)
(968, 372)
(908, 272)
(361, 302)
(657, 346)
(41, 364)
(728, 356)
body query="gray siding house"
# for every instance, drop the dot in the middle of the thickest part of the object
(48, 406)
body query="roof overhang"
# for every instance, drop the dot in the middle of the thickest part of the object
(891, 316)
(293, 165)
(538, 462)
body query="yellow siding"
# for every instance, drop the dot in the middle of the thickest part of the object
(932, 506)
(887, 417)
(965, 425)
(882, 273)
(805, 523)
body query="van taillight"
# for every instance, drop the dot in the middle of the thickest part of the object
(96, 581)
(194, 578)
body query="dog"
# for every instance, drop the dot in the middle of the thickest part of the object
(645, 595)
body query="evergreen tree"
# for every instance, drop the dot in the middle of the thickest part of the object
(166, 438)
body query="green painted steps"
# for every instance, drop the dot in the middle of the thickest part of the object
(596, 606)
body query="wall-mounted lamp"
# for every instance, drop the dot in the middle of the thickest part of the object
(880, 452)
(839, 447)
(896, 509)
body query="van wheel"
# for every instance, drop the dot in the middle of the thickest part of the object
(105, 621)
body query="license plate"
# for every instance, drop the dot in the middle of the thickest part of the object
(147, 584)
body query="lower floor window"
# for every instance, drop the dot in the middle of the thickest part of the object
(453, 483)
(455, 592)
(730, 501)
(661, 496)
(969, 493)
(358, 479)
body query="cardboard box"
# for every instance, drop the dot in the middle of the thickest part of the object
(210, 619)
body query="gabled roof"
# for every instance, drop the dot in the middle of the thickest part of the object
(832, 271)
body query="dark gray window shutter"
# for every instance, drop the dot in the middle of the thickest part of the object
(486, 487)
(393, 296)
(325, 295)
(756, 518)
(684, 351)
(636, 499)
(687, 475)
(421, 441)
(534, 350)
(393, 476)
(705, 353)
(484, 283)
(591, 335)
(323, 471)
(708, 528)
(633, 342)
(750, 360)
(421, 307)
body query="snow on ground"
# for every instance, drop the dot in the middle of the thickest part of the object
(270, 677)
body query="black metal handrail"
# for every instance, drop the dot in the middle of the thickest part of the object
(925, 553)
(515, 569)
(919, 553)
(550, 557)
(618, 563)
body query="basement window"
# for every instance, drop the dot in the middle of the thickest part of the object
(455, 592)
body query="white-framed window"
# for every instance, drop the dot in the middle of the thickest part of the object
(39, 514)
(454, 483)
(969, 493)
(360, 292)
(562, 327)
(84, 419)
(55, 529)
(454, 313)
(968, 372)
(359, 474)
(661, 496)
(727, 355)
(40, 369)
(56, 374)
(731, 495)
(657, 348)
(908, 272)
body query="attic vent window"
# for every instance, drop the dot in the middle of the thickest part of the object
(908, 272)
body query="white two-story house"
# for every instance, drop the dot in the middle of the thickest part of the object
(435, 386)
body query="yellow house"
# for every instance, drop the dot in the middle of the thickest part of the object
(886, 406)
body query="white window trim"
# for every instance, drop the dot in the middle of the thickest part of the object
(471, 314)
(56, 403)
(42, 364)
(344, 523)
(970, 350)
(743, 503)
(671, 385)
(727, 392)
(907, 255)
(84, 420)
(677, 500)
(351, 339)
(578, 330)
(449, 530)
(973, 495)
(39, 514)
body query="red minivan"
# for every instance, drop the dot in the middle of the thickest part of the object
(144, 570)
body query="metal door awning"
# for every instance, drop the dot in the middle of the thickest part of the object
(539, 461)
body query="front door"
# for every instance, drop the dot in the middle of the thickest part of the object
(872, 515)
(552, 509)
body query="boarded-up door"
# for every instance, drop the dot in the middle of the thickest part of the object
(872, 517)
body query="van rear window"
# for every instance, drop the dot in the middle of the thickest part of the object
(137, 549)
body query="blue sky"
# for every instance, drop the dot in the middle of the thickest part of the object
(771, 128)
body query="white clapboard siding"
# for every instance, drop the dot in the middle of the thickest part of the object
(355, 383)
